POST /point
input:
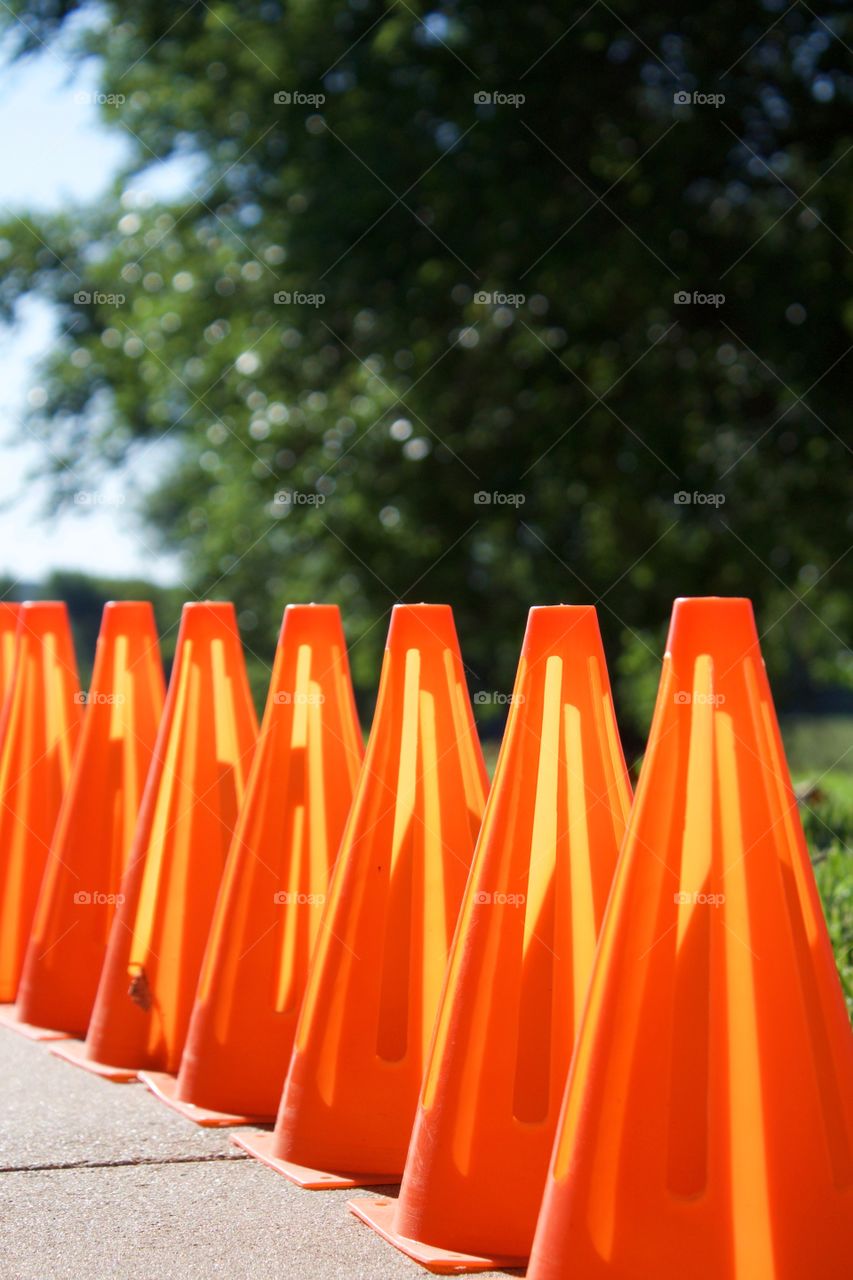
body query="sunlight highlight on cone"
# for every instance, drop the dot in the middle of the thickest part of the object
(38, 734)
(268, 914)
(520, 963)
(361, 1042)
(85, 867)
(708, 1120)
(193, 793)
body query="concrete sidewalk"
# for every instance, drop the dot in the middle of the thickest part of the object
(101, 1180)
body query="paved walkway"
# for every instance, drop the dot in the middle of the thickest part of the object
(101, 1180)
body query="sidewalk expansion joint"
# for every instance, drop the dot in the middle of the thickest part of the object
(215, 1156)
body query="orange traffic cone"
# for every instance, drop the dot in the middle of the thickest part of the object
(268, 913)
(92, 840)
(41, 719)
(352, 1087)
(707, 1128)
(520, 962)
(189, 809)
(9, 617)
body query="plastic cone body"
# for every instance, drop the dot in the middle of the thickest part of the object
(521, 958)
(708, 1122)
(96, 823)
(268, 913)
(9, 617)
(192, 795)
(41, 719)
(352, 1088)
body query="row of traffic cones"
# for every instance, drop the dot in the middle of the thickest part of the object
(426, 987)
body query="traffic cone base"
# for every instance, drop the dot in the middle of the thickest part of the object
(379, 1214)
(10, 1019)
(262, 1147)
(74, 1051)
(165, 1087)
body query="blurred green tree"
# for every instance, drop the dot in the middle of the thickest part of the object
(86, 596)
(436, 253)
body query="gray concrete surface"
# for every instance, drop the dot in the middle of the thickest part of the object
(101, 1180)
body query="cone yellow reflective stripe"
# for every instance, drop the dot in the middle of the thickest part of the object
(520, 962)
(96, 822)
(708, 1118)
(376, 976)
(268, 912)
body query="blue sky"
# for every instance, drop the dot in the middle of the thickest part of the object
(53, 148)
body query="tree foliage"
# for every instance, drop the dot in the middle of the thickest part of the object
(386, 409)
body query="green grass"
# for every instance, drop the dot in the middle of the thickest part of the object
(820, 752)
(818, 744)
(828, 822)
